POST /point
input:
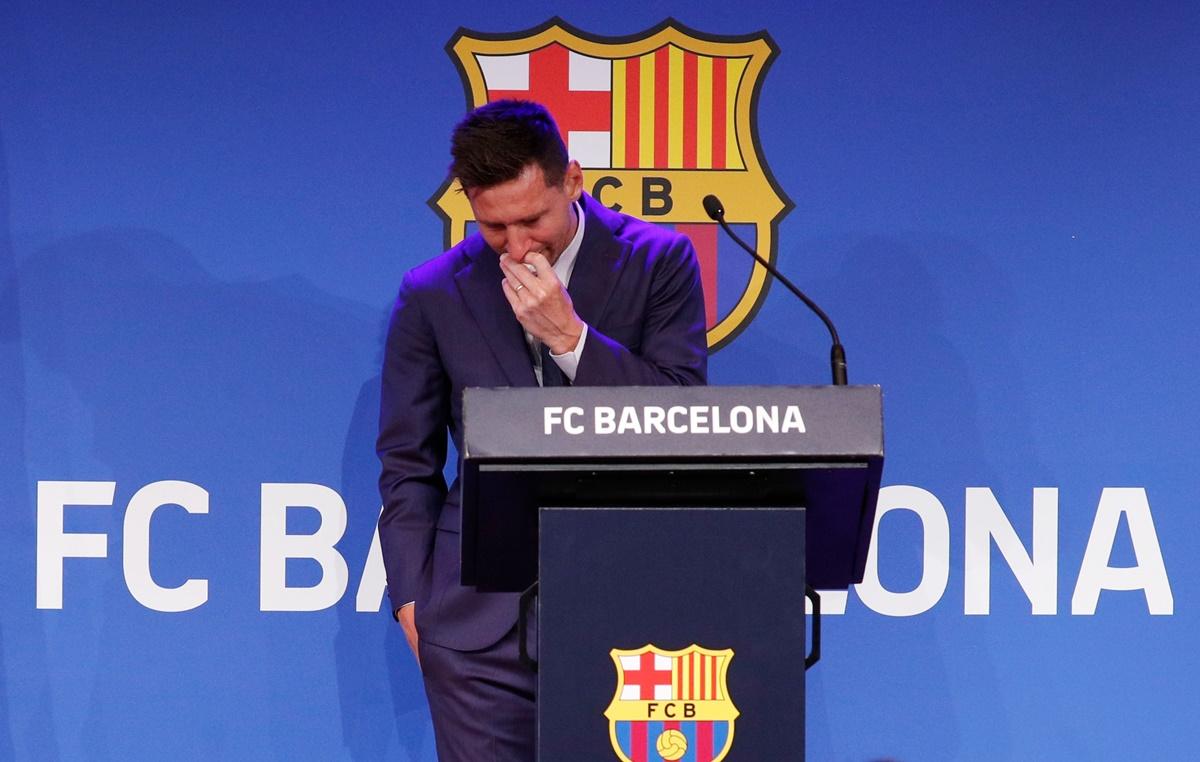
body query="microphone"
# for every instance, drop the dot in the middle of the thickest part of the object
(837, 354)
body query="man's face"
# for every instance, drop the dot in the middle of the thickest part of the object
(525, 215)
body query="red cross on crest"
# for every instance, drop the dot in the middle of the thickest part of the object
(647, 676)
(575, 109)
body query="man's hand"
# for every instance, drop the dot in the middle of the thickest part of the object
(541, 303)
(409, 625)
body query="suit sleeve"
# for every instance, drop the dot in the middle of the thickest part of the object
(414, 413)
(674, 349)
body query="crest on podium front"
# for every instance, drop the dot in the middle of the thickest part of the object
(671, 705)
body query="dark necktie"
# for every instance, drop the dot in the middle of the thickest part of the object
(552, 375)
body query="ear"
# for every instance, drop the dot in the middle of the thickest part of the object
(573, 180)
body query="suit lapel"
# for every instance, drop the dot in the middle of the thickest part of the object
(599, 264)
(479, 284)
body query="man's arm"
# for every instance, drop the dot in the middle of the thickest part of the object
(405, 615)
(414, 412)
(674, 349)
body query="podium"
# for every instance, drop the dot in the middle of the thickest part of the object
(671, 533)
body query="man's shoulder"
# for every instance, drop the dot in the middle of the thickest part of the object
(640, 235)
(440, 270)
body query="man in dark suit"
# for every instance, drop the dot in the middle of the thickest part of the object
(553, 289)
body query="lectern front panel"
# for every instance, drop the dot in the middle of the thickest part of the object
(671, 628)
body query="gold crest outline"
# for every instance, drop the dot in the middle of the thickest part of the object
(729, 713)
(751, 194)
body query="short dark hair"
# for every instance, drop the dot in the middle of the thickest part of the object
(494, 143)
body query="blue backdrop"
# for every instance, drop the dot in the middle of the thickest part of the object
(204, 214)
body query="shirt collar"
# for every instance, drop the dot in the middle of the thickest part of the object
(565, 263)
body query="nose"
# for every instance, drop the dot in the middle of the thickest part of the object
(517, 242)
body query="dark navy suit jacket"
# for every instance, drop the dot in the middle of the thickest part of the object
(636, 285)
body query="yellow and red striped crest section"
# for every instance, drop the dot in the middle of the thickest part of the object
(674, 109)
(699, 676)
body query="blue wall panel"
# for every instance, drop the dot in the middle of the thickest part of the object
(204, 214)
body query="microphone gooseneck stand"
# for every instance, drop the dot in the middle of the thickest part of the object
(837, 353)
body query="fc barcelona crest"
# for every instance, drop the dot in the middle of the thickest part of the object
(657, 120)
(671, 706)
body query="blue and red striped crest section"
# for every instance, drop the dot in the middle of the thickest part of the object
(671, 705)
(658, 121)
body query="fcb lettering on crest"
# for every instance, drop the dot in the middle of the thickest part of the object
(657, 120)
(671, 705)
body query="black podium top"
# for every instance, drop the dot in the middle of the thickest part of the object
(820, 447)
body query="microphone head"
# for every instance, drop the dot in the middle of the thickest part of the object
(713, 208)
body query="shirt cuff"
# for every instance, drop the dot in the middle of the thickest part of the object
(396, 613)
(568, 362)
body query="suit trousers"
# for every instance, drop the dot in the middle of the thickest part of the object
(483, 703)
